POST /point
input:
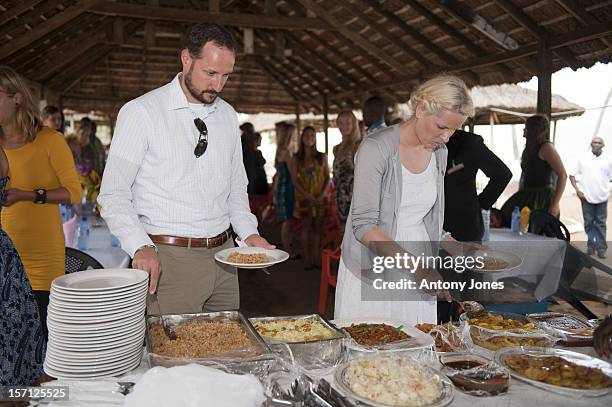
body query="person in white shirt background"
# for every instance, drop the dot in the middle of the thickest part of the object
(591, 180)
(175, 185)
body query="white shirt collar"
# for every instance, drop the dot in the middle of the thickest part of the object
(178, 100)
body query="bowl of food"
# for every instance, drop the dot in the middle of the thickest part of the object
(385, 381)
(447, 337)
(474, 374)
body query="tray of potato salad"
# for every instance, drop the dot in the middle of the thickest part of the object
(310, 340)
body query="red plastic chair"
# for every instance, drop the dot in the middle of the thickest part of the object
(327, 278)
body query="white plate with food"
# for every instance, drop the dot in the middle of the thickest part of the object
(251, 257)
(558, 370)
(393, 381)
(494, 261)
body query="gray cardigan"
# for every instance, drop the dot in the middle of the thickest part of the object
(377, 192)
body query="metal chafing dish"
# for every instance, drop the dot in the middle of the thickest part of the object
(256, 360)
(315, 354)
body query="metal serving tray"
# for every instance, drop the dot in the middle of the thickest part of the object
(547, 321)
(316, 354)
(257, 360)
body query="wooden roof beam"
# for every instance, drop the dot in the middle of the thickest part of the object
(539, 33)
(14, 12)
(21, 42)
(73, 51)
(580, 14)
(453, 33)
(199, 16)
(357, 39)
(574, 37)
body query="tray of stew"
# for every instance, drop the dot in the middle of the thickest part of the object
(379, 334)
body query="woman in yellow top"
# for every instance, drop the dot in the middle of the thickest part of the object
(42, 175)
(310, 175)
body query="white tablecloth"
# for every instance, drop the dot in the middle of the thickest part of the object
(101, 393)
(99, 246)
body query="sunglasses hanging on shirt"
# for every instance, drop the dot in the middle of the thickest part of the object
(200, 148)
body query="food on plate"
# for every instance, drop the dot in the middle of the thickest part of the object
(294, 330)
(499, 323)
(247, 258)
(447, 337)
(472, 308)
(558, 371)
(491, 263)
(375, 334)
(462, 364)
(198, 339)
(482, 382)
(393, 381)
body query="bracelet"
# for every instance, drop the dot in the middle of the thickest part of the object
(444, 235)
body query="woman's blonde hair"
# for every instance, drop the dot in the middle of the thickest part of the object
(27, 118)
(443, 93)
(355, 132)
(284, 134)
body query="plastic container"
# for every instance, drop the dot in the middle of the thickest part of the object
(70, 228)
(515, 224)
(83, 233)
(524, 220)
(474, 374)
(486, 222)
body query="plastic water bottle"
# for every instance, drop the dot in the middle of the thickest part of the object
(515, 225)
(486, 221)
(83, 233)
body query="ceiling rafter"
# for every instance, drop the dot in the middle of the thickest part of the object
(538, 32)
(357, 39)
(41, 30)
(14, 12)
(186, 15)
(580, 14)
(454, 33)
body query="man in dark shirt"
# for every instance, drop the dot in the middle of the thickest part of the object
(467, 154)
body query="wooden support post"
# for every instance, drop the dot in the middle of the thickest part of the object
(325, 124)
(554, 135)
(492, 124)
(544, 78)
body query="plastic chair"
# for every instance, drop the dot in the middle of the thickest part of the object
(77, 260)
(327, 278)
(545, 223)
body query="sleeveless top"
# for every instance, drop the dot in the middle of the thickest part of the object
(537, 172)
(344, 173)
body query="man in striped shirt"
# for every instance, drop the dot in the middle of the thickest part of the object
(175, 185)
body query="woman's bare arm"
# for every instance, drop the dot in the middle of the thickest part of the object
(549, 153)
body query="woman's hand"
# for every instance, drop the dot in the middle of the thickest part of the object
(554, 210)
(15, 195)
(432, 276)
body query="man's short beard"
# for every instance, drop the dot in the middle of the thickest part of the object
(194, 92)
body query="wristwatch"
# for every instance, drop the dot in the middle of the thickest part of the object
(152, 246)
(41, 196)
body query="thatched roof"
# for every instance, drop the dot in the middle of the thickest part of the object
(97, 54)
(509, 104)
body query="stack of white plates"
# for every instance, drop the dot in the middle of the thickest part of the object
(96, 323)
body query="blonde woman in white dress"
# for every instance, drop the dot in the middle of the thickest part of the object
(398, 196)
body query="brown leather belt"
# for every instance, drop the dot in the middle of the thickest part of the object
(209, 242)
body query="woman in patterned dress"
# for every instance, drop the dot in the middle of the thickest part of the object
(310, 175)
(22, 345)
(284, 198)
(344, 165)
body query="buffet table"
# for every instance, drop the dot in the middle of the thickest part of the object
(104, 392)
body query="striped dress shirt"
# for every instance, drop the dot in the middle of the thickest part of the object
(154, 184)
